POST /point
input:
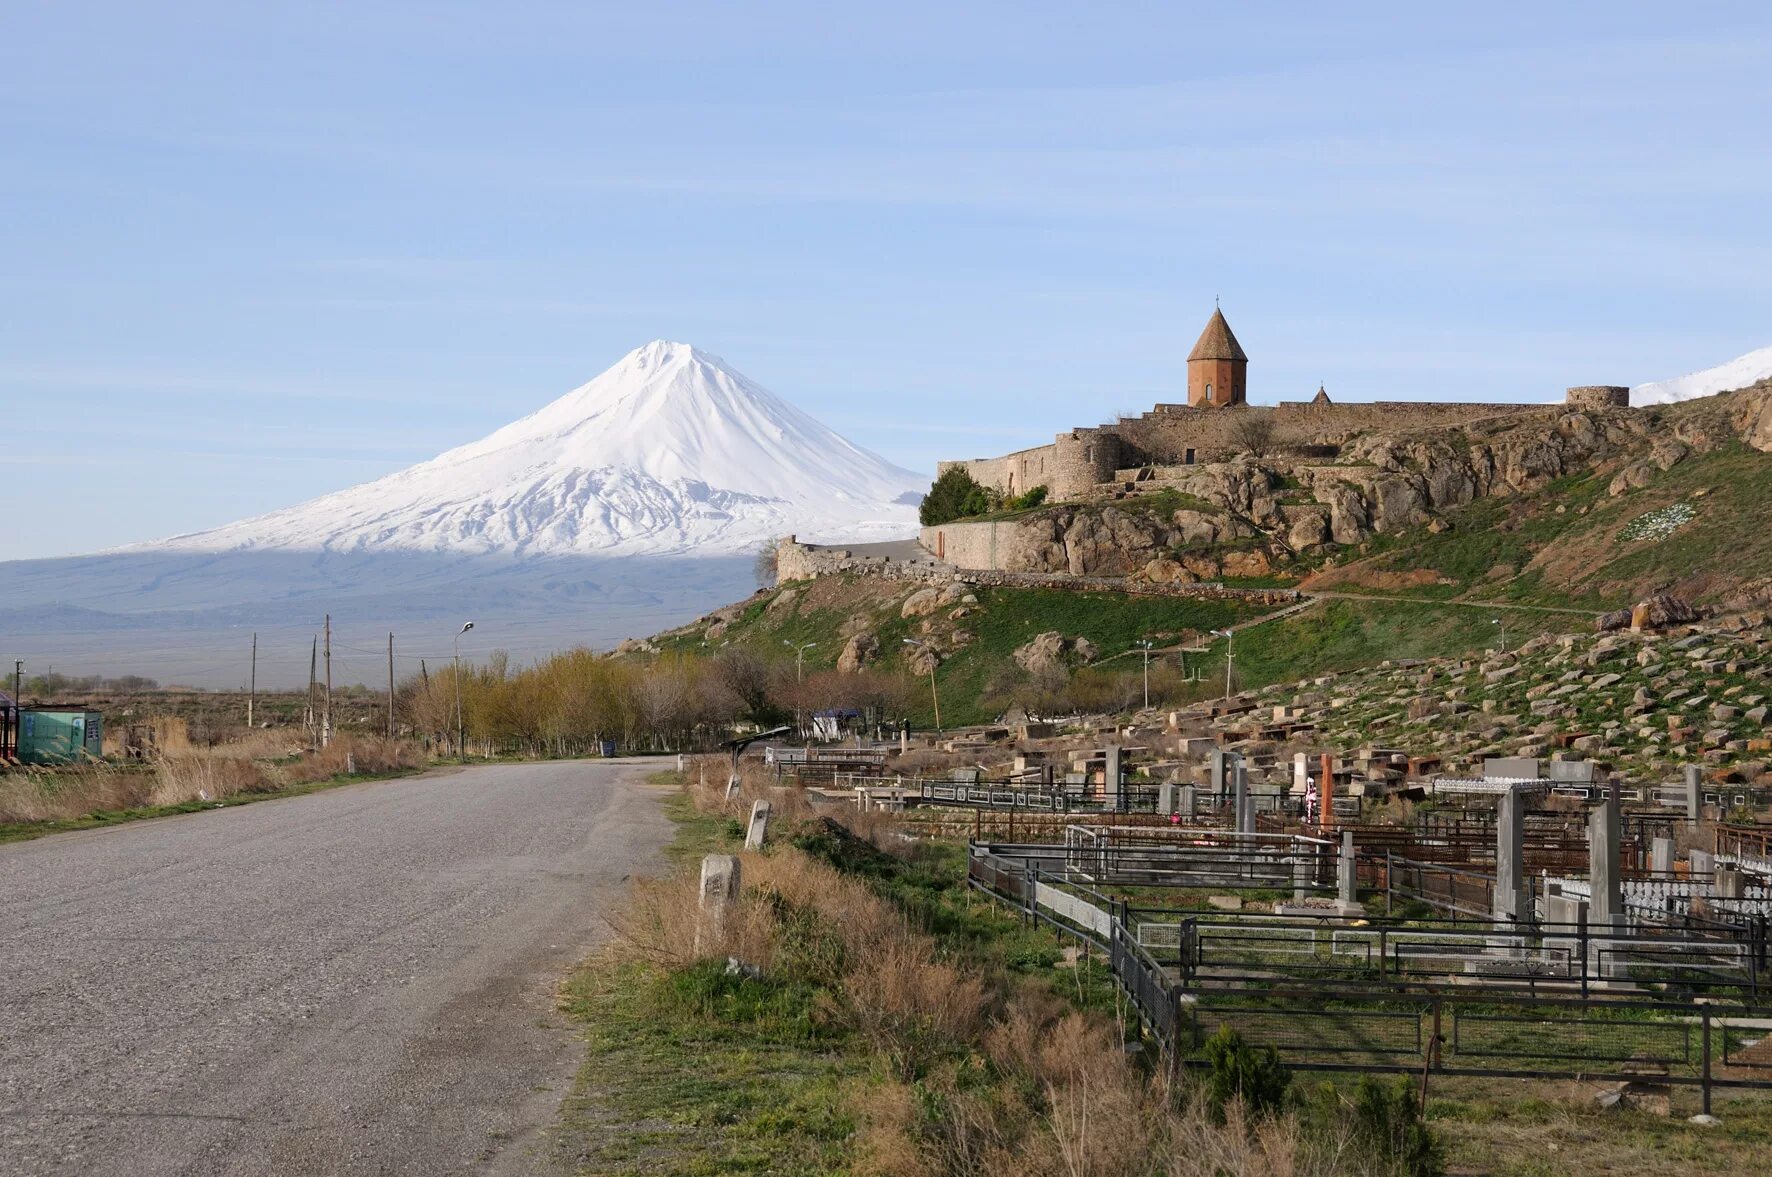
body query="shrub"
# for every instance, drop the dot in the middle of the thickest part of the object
(1251, 1075)
(1387, 1120)
(1028, 501)
(954, 495)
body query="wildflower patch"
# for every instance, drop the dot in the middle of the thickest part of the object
(1659, 524)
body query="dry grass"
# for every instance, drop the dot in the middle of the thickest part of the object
(261, 762)
(979, 1075)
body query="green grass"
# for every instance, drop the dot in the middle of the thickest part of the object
(1342, 634)
(1488, 547)
(700, 1072)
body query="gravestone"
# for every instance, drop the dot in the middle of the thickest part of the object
(719, 890)
(1661, 856)
(1694, 793)
(1346, 882)
(1730, 883)
(1606, 905)
(759, 826)
(1510, 768)
(1241, 805)
(1511, 892)
(1187, 802)
(1166, 797)
(1111, 774)
(1702, 863)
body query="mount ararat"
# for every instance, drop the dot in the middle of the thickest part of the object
(634, 502)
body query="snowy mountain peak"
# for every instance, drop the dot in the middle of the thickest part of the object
(1742, 372)
(670, 450)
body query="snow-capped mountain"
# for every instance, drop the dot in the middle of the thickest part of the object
(1749, 369)
(668, 452)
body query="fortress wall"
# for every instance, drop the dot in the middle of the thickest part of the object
(967, 545)
(1014, 473)
(1165, 437)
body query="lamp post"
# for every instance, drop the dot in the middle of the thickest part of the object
(799, 681)
(1496, 621)
(737, 748)
(1145, 649)
(1227, 636)
(461, 748)
(934, 695)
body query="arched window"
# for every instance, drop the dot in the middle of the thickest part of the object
(1208, 394)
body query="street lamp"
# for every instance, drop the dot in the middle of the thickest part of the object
(1497, 621)
(1145, 649)
(934, 661)
(737, 748)
(461, 747)
(1226, 635)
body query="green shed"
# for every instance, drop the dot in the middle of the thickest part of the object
(48, 736)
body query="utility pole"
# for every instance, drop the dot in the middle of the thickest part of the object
(313, 672)
(390, 686)
(326, 714)
(252, 683)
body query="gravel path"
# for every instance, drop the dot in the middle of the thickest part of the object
(356, 981)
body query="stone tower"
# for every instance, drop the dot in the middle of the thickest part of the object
(1217, 368)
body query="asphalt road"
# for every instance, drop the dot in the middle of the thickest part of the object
(355, 981)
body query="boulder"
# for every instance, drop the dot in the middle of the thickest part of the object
(921, 603)
(1661, 611)
(858, 651)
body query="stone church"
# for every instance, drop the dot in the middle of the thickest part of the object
(1214, 425)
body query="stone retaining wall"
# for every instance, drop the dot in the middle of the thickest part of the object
(798, 561)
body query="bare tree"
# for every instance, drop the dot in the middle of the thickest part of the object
(763, 567)
(1253, 432)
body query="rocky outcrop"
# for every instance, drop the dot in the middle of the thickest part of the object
(1052, 651)
(858, 651)
(1661, 611)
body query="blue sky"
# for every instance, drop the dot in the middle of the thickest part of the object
(250, 253)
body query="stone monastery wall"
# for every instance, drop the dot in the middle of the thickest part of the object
(1177, 435)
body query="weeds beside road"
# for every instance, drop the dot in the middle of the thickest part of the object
(884, 1020)
(34, 802)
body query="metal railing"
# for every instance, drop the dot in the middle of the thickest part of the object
(1414, 1026)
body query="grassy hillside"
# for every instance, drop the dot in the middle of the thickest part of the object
(1696, 530)
(1333, 636)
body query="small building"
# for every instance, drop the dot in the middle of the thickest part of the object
(56, 736)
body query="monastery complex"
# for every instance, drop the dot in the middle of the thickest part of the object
(1217, 423)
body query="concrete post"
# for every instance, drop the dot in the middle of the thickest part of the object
(1606, 907)
(1242, 812)
(1661, 856)
(759, 827)
(1510, 858)
(1346, 884)
(719, 890)
(1694, 793)
(1110, 776)
(1304, 868)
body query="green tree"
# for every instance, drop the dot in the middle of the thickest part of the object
(1253, 1074)
(954, 496)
